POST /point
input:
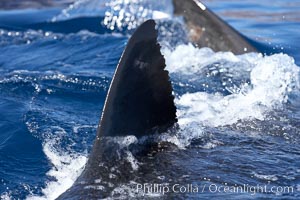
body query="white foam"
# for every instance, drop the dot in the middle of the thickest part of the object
(132, 160)
(5, 196)
(66, 169)
(266, 177)
(125, 141)
(76, 128)
(183, 136)
(160, 15)
(188, 59)
(272, 78)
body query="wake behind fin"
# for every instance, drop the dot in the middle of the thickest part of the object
(140, 95)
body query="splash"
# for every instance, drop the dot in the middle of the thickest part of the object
(125, 14)
(66, 168)
(5, 196)
(257, 84)
(118, 15)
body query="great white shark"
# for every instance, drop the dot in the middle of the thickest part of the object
(140, 103)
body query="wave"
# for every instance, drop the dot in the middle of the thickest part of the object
(66, 169)
(74, 25)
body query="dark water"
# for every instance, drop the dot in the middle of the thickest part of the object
(239, 115)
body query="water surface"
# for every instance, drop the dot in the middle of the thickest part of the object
(239, 115)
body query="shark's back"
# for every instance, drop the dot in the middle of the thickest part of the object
(206, 29)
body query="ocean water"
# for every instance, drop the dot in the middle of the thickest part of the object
(239, 115)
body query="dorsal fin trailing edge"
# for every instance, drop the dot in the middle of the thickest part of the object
(140, 95)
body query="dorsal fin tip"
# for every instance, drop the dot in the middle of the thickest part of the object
(140, 96)
(145, 31)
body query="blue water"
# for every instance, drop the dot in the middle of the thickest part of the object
(56, 65)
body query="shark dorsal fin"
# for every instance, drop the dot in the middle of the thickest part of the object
(140, 95)
(206, 29)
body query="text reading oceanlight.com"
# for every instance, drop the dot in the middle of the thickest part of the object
(162, 189)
